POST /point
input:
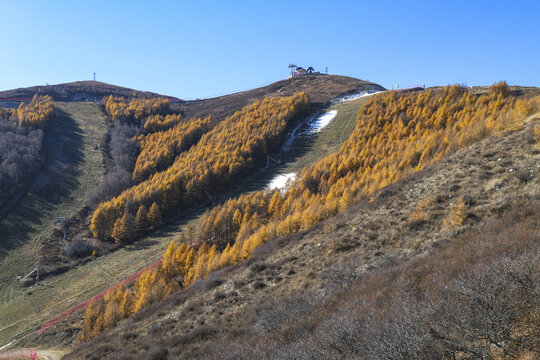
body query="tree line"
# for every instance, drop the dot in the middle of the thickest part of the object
(395, 135)
(160, 148)
(119, 143)
(136, 110)
(159, 122)
(231, 148)
(22, 132)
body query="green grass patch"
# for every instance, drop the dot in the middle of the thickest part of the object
(72, 167)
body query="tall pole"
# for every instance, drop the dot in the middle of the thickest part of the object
(292, 67)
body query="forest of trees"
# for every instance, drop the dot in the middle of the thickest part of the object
(234, 146)
(122, 151)
(119, 143)
(395, 135)
(161, 123)
(21, 141)
(136, 110)
(159, 149)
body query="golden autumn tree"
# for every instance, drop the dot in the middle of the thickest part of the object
(190, 258)
(124, 228)
(126, 304)
(154, 216)
(141, 220)
(90, 316)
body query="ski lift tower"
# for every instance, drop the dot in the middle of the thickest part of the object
(62, 221)
(292, 67)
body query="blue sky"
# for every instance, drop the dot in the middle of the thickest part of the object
(195, 49)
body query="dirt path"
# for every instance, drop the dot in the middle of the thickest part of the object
(72, 167)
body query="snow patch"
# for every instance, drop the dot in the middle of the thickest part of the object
(321, 121)
(358, 95)
(281, 181)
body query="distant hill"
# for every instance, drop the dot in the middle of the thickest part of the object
(76, 91)
(320, 89)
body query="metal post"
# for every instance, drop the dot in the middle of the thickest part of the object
(268, 158)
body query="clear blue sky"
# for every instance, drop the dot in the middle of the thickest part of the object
(194, 49)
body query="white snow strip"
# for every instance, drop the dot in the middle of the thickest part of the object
(322, 121)
(5, 346)
(358, 96)
(281, 181)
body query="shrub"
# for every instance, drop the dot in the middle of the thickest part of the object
(157, 353)
(78, 249)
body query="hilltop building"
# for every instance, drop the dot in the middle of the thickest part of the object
(299, 71)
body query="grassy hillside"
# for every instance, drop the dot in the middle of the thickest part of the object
(320, 89)
(58, 293)
(406, 221)
(72, 167)
(490, 113)
(76, 91)
(239, 311)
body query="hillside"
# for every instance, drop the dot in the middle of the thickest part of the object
(72, 166)
(418, 219)
(320, 89)
(395, 182)
(58, 293)
(75, 91)
(497, 177)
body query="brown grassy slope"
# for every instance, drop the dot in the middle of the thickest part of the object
(79, 91)
(405, 219)
(320, 89)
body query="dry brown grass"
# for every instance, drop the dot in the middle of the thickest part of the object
(371, 235)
